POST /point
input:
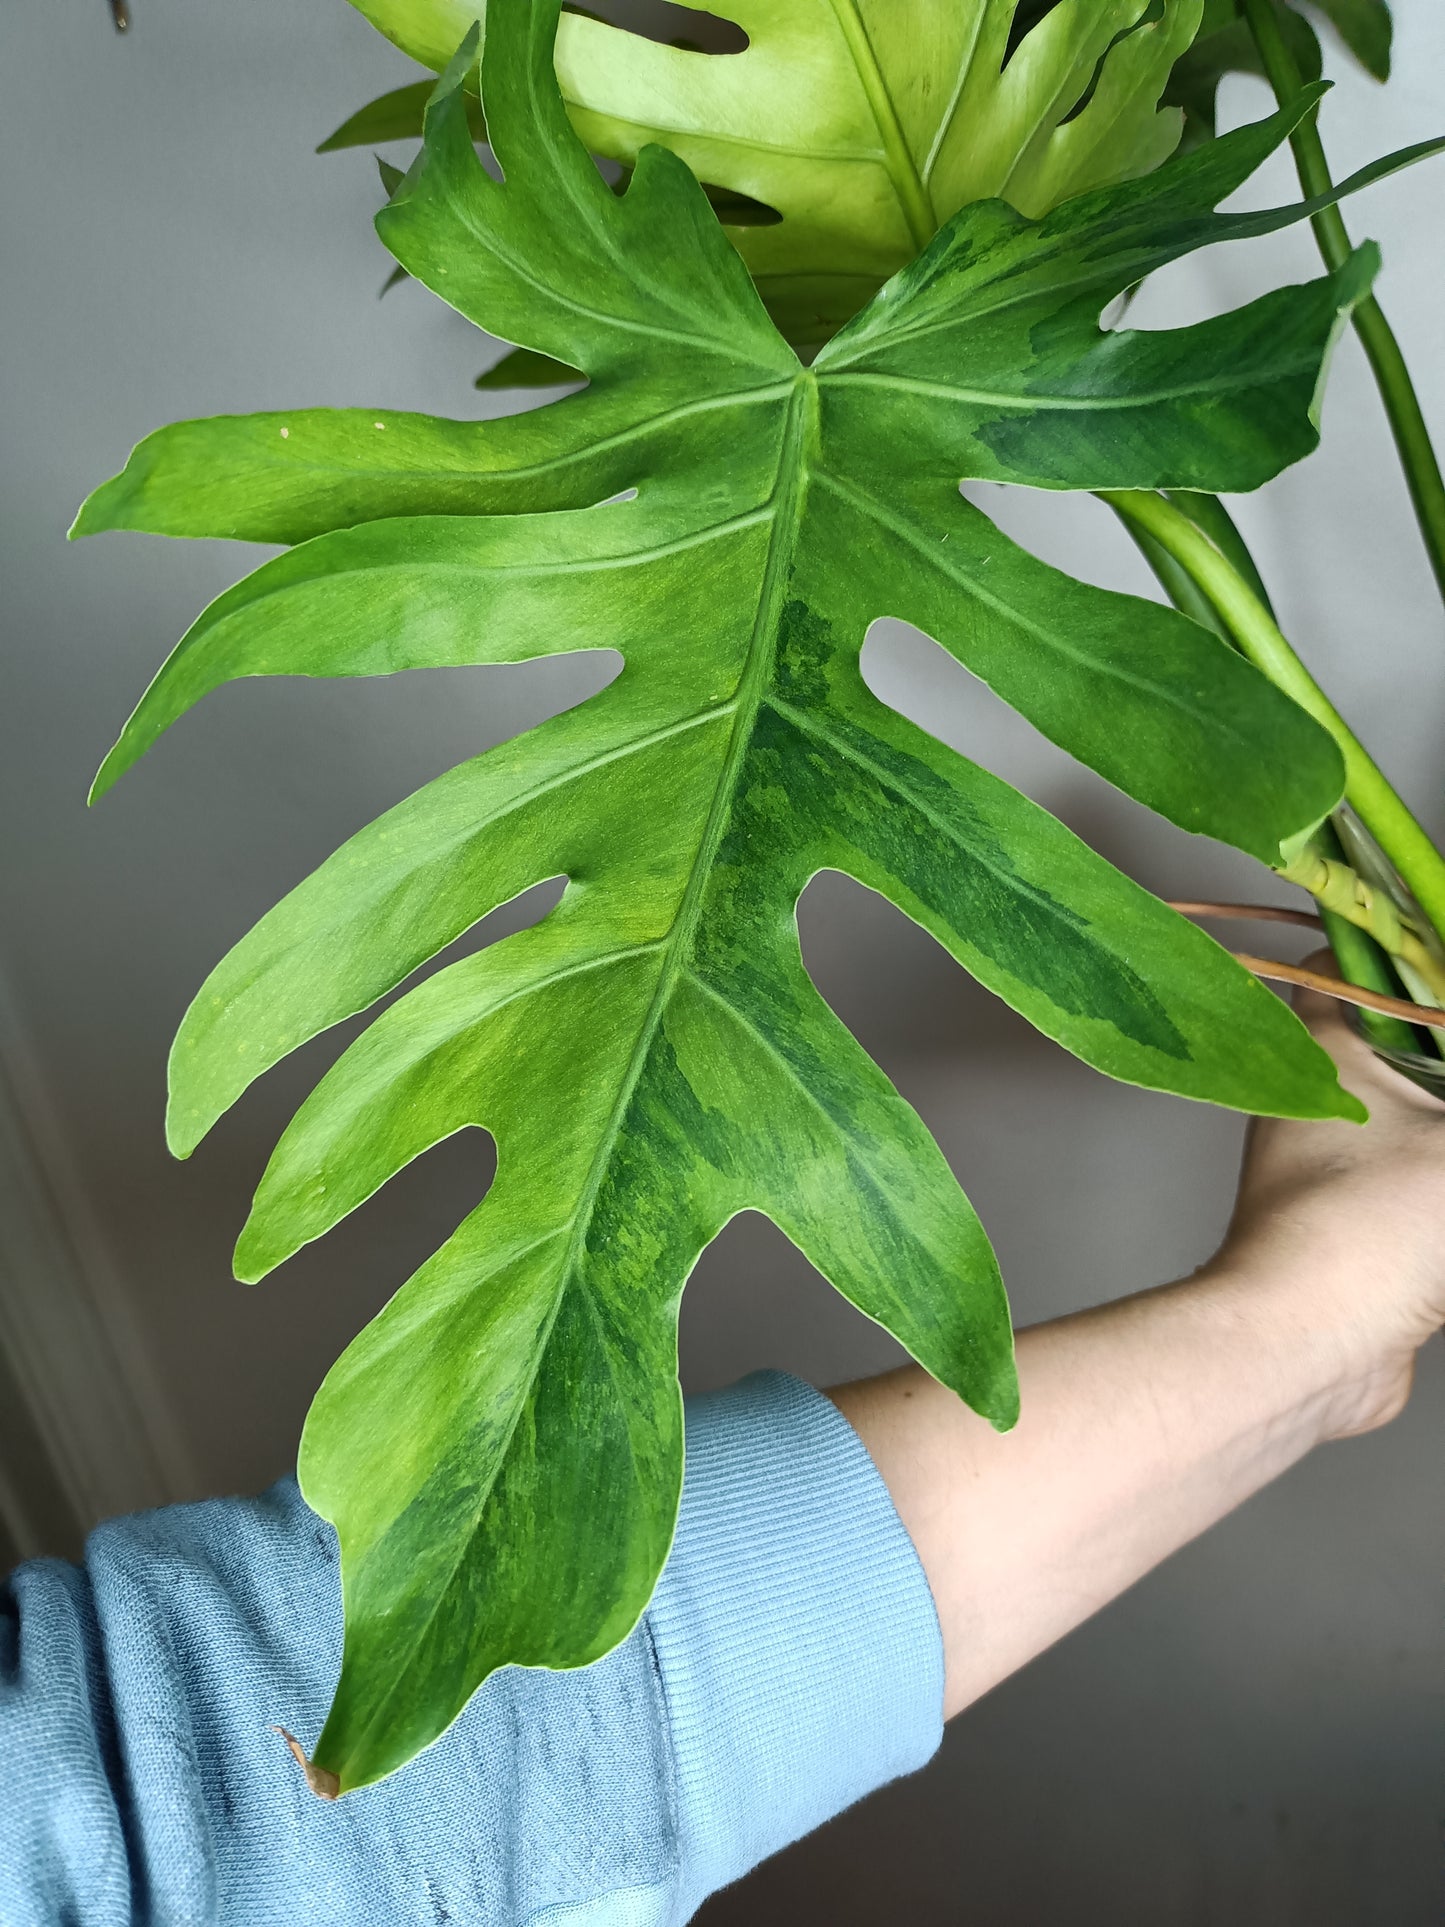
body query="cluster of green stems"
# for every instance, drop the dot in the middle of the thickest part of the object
(1204, 566)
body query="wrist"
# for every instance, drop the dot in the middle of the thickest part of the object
(1315, 1332)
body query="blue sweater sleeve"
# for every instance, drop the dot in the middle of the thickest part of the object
(789, 1662)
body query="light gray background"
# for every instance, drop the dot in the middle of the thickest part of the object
(1254, 1735)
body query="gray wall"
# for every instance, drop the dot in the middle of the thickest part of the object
(1253, 1735)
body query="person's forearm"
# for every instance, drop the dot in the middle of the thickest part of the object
(1144, 1422)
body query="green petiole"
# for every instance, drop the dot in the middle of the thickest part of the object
(1387, 362)
(1258, 636)
(1361, 960)
(1365, 963)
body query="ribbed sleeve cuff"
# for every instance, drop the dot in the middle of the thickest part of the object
(795, 1632)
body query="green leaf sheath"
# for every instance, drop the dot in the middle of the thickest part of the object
(501, 1448)
(864, 123)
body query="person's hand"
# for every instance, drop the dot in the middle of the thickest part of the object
(1149, 1417)
(1356, 1214)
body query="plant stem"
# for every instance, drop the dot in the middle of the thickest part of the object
(1392, 376)
(1363, 963)
(1207, 512)
(1363, 1001)
(1178, 584)
(1367, 788)
(1343, 894)
(1361, 960)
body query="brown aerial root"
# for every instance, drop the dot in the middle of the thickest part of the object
(1296, 973)
(1345, 993)
(1251, 912)
(324, 1785)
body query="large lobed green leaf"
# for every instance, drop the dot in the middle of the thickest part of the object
(1044, 98)
(864, 124)
(501, 1449)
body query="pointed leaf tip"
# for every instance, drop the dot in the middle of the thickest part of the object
(182, 1139)
(102, 783)
(91, 518)
(1353, 1109)
(249, 1261)
(1004, 1413)
(325, 1785)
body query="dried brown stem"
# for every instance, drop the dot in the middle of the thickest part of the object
(1344, 993)
(324, 1785)
(1251, 912)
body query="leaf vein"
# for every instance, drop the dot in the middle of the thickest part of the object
(868, 505)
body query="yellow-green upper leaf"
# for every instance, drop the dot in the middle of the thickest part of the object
(865, 124)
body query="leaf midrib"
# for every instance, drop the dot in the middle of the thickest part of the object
(704, 404)
(912, 195)
(787, 498)
(1120, 270)
(1034, 400)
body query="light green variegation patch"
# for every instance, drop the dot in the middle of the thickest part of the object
(501, 1449)
(864, 124)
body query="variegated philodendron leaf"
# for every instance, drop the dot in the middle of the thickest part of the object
(863, 124)
(501, 1449)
